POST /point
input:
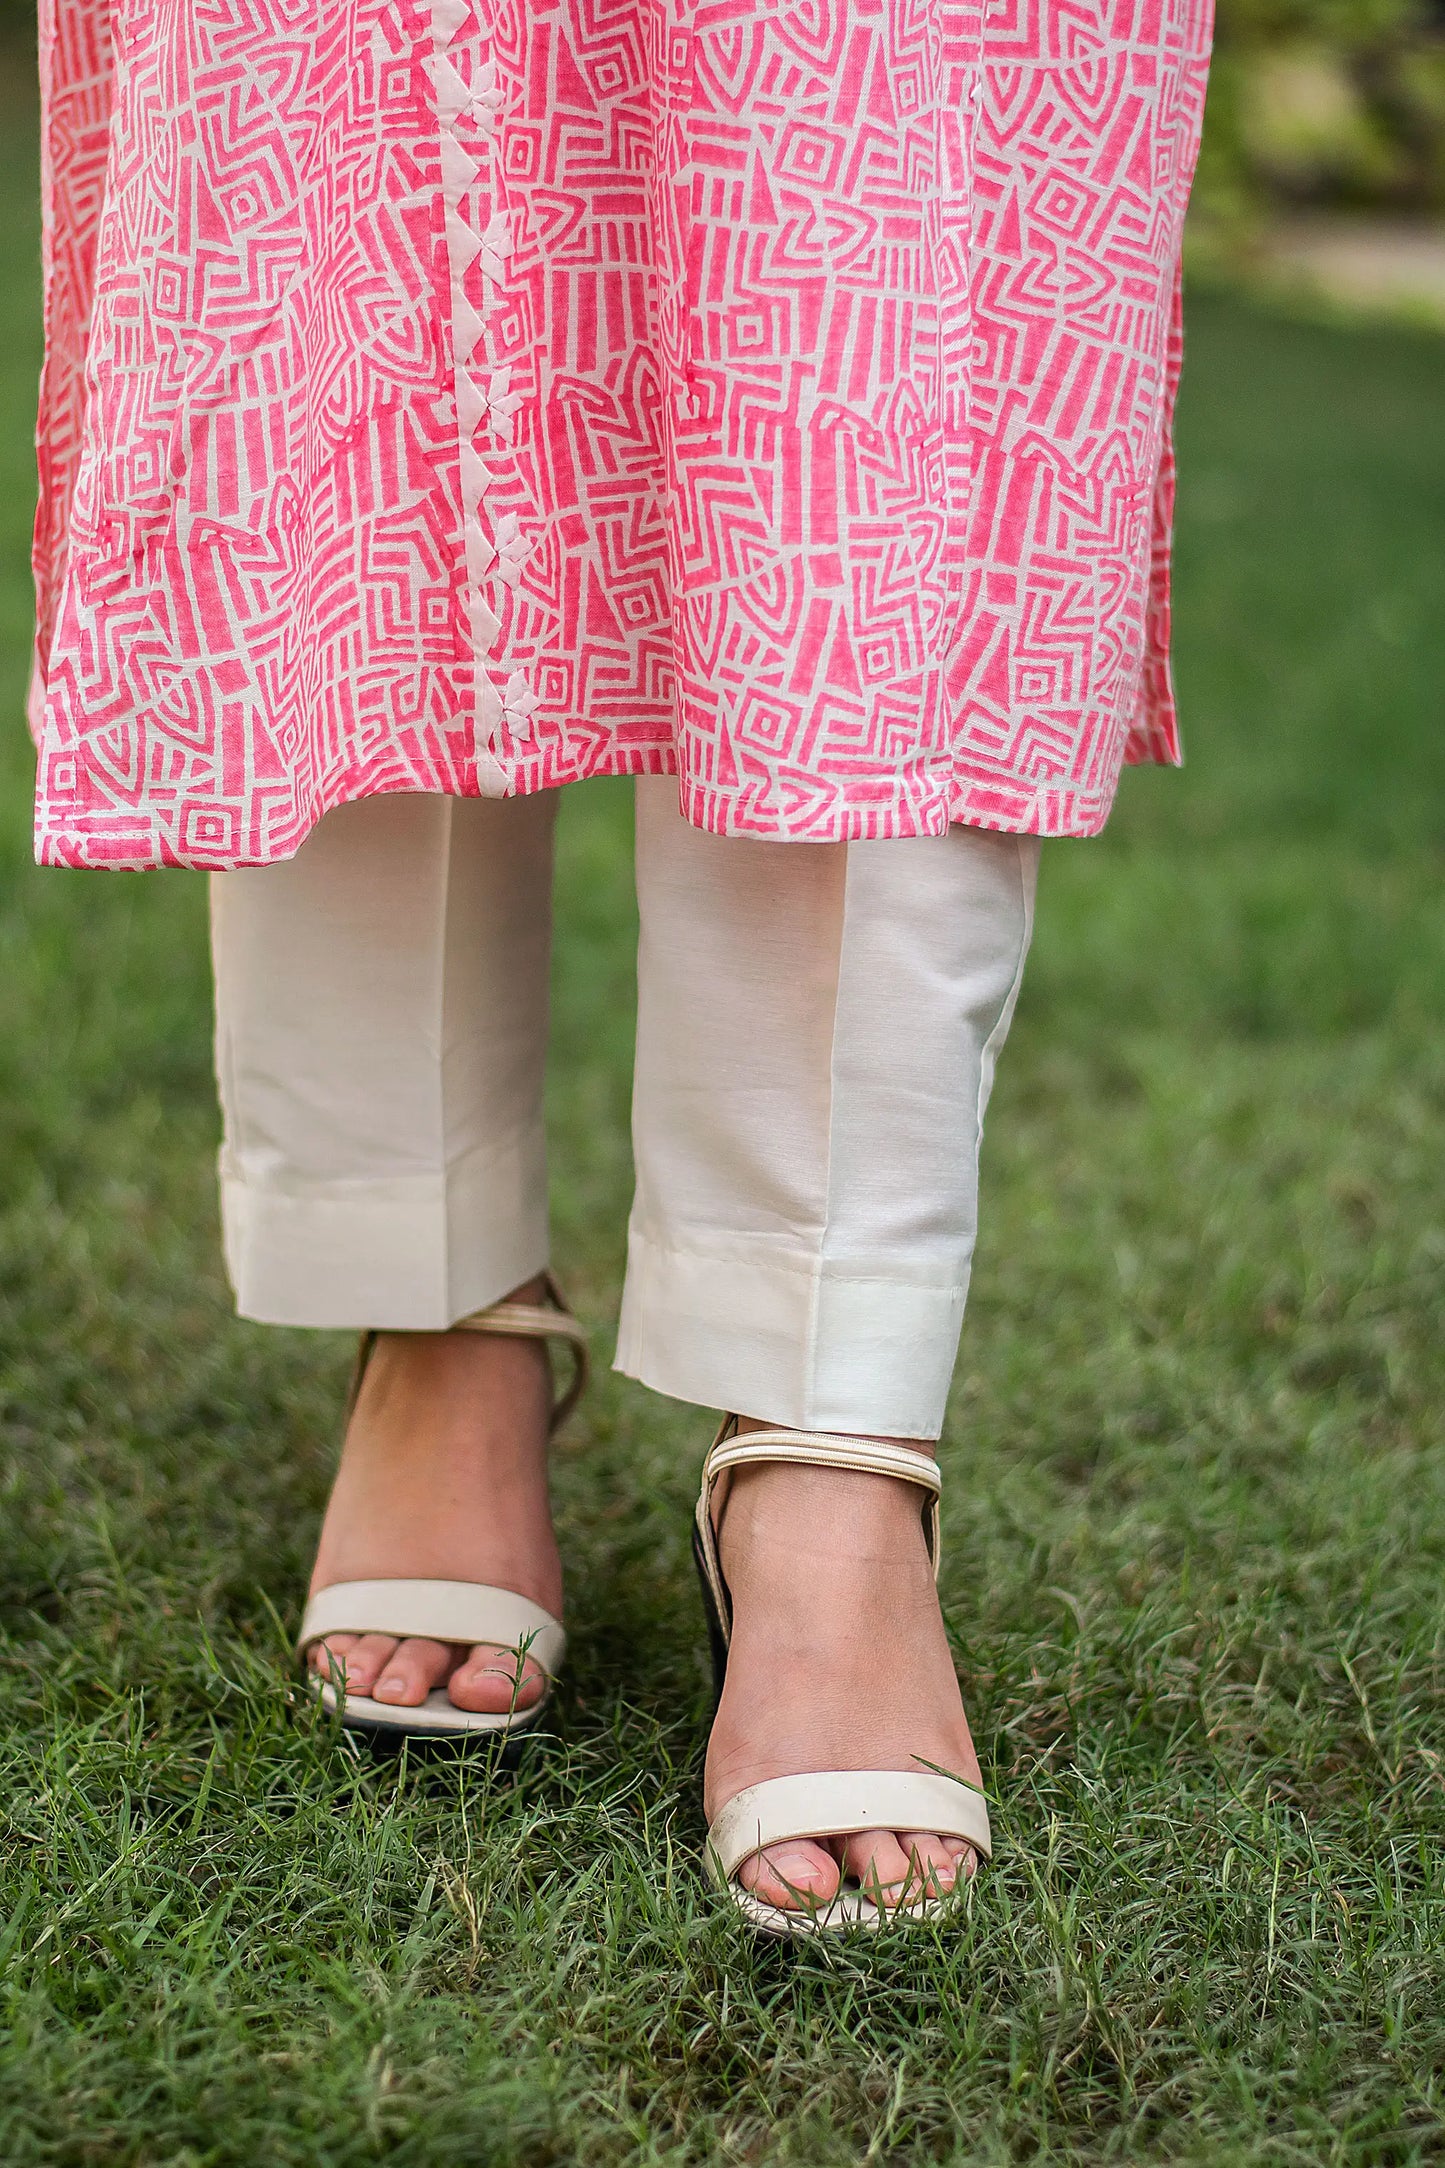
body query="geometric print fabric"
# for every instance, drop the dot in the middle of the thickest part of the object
(476, 395)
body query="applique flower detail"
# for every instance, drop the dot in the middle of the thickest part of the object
(519, 705)
(496, 246)
(501, 403)
(487, 96)
(513, 548)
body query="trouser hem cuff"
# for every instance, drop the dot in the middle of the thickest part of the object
(409, 1254)
(791, 1340)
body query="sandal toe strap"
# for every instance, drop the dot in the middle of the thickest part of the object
(840, 1802)
(463, 1612)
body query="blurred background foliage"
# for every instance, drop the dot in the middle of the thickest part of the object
(1314, 104)
(1321, 103)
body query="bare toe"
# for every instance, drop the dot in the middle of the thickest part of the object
(488, 1683)
(411, 1672)
(792, 1876)
(877, 1862)
(332, 1654)
(938, 1862)
(363, 1658)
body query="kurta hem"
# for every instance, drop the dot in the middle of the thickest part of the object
(1040, 810)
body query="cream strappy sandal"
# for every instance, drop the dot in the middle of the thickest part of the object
(459, 1611)
(834, 1802)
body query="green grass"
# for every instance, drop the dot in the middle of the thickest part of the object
(1195, 1498)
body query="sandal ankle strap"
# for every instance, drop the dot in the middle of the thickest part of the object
(552, 1320)
(807, 1449)
(819, 1449)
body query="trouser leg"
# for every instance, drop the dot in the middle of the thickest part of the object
(381, 1028)
(817, 1031)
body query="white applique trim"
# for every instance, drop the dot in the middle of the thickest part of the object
(486, 406)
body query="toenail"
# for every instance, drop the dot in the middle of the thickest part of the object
(392, 1685)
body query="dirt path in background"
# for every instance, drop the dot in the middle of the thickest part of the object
(1382, 266)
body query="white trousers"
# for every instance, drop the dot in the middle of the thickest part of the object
(816, 1037)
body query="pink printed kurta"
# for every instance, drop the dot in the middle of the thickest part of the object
(476, 395)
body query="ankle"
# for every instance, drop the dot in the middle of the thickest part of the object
(795, 1526)
(455, 1365)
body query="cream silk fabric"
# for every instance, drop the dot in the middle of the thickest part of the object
(817, 1032)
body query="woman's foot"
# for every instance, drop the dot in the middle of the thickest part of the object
(838, 1660)
(443, 1477)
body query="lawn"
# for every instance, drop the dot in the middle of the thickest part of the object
(1195, 1498)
